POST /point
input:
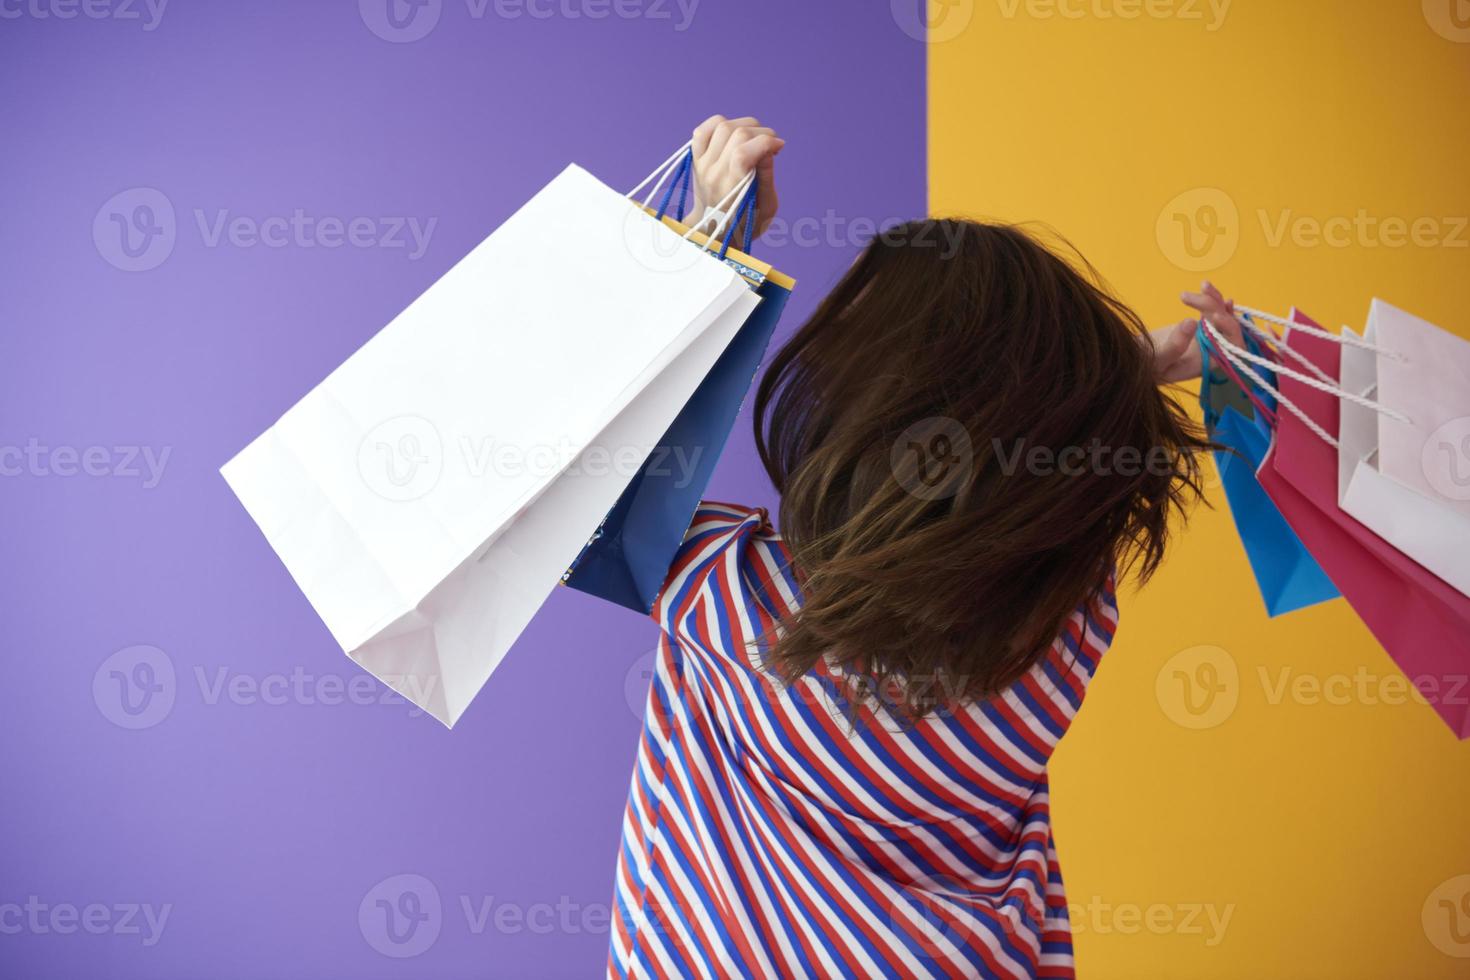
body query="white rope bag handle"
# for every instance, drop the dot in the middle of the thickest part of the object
(1241, 359)
(1350, 340)
(663, 172)
(720, 212)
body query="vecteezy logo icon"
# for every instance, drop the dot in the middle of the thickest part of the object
(402, 458)
(1446, 917)
(134, 688)
(401, 916)
(1198, 688)
(933, 459)
(1450, 19)
(932, 21)
(937, 933)
(1199, 230)
(135, 230)
(638, 680)
(1446, 459)
(400, 21)
(655, 245)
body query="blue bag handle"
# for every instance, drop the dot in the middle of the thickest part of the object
(683, 178)
(744, 211)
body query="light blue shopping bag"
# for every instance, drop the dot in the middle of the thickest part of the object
(1288, 577)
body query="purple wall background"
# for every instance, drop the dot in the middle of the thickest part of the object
(264, 826)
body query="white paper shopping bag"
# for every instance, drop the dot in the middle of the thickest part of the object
(428, 495)
(1398, 470)
(1430, 380)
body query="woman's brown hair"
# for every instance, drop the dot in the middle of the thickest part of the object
(969, 438)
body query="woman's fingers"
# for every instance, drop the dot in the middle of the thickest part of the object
(704, 133)
(725, 150)
(760, 154)
(1171, 343)
(1220, 311)
(1176, 357)
(744, 135)
(722, 133)
(755, 152)
(1201, 301)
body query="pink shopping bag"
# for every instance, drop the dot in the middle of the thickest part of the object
(1422, 622)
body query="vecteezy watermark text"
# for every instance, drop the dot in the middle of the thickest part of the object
(1205, 920)
(147, 12)
(1094, 459)
(1201, 687)
(137, 229)
(39, 460)
(834, 230)
(1210, 14)
(937, 21)
(405, 457)
(403, 916)
(302, 230)
(137, 687)
(1364, 229)
(36, 917)
(1201, 229)
(405, 21)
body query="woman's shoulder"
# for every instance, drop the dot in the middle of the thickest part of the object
(714, 514)
(718, 527)
(1101, 608)
(1087, 633)
(722, 544)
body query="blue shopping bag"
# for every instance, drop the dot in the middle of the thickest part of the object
(1288, 577)
(628, 559)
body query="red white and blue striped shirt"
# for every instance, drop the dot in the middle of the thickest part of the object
(766, 835)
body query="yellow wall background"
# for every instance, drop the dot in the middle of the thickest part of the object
(1331, 828)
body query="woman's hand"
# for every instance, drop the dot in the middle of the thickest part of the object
(725, 150)
(1176, 349)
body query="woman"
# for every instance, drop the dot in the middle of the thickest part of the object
(843, 771)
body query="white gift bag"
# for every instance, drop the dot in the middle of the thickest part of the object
(429, 494)
(1405, 474)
